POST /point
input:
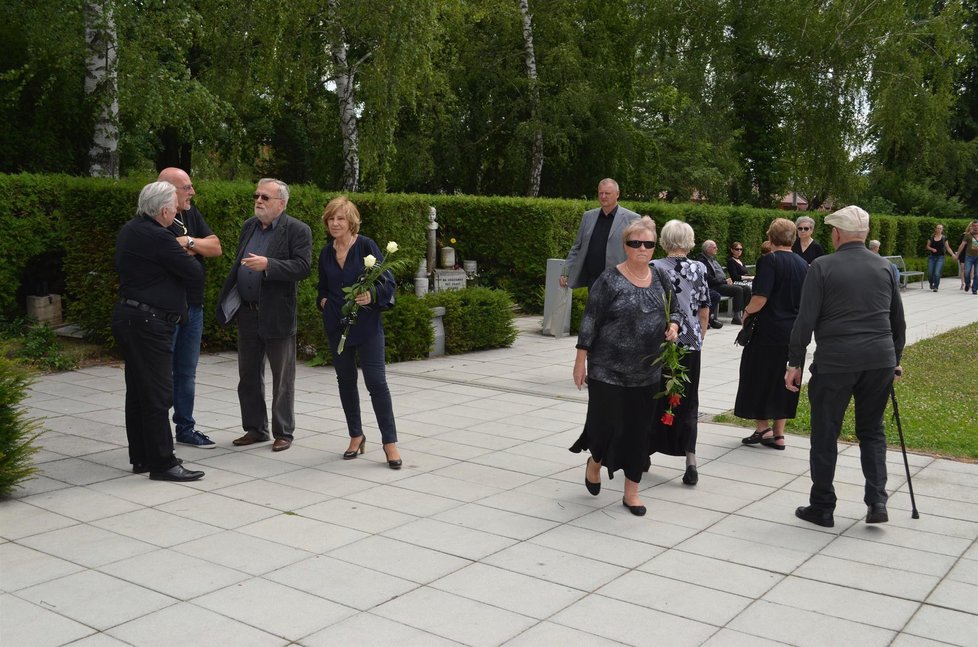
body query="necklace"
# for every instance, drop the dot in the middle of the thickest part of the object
(647, 277)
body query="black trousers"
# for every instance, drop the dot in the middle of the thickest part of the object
(739, 293)
(146, 342)
(829, 394)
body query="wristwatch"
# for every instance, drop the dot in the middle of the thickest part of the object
(190, 242)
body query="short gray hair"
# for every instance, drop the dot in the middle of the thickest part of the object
(154, 197)
(801, 220)
(874, 245)
(283, 188)
(608, 180)
(677, 235)
(707, 244)
(640, 224)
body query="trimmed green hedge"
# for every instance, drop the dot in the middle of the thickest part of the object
(511, 238)
(475, 319)
(17, 430)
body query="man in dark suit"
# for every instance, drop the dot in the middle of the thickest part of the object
(274, 253)
(598, 245)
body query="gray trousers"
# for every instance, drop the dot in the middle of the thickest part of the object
(252, 351)
(829, 395)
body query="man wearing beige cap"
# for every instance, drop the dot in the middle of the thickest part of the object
(851, 302)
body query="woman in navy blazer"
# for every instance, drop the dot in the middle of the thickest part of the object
(340, 264)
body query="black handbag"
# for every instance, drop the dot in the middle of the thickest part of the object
(747, 332)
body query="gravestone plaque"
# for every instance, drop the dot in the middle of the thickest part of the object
(449, 280)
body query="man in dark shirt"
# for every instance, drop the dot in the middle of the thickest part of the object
(199, 241)
(599, 243)
(274, 253)
(851, 302)
(154, 272)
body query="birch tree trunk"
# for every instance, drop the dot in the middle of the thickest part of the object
(101, 82)
(536, 160)
(345, 81)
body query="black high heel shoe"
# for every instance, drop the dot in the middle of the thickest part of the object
(593, 488)
(353, 453)
(395, 464)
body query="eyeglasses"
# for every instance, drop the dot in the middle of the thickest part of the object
(738, 249)
(264, 197)
(804, 229)
(635, 244)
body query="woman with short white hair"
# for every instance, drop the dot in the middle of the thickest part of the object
(805, 244)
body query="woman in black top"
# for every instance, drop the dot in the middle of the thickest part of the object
(937, 246)
(806, 246)
(761, 395)
(735, 265)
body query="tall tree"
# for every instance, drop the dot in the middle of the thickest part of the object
(101, 82)
(536, 161)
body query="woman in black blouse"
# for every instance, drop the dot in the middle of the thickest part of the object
(806, 246)
(624, 323)
(735, 265)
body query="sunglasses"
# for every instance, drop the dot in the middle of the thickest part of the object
(264, 197)
(804, 229)
(738, 249)
(635, 244)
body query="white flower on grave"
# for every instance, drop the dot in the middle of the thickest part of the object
(391, 247)
(369, 261)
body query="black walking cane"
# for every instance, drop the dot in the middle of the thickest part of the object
(896, 414)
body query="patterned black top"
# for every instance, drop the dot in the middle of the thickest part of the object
(689, 282)
(623, 327)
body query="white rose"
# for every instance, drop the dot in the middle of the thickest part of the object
(391, 247)
(369, 261)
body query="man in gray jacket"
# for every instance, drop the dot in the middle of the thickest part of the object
(274, 253)
(598, 245)
(851, 302)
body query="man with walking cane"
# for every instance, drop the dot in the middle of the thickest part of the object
(851, 302)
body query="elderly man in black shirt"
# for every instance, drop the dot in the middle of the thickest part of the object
(718, 282)
(851, 302)
(154, 271)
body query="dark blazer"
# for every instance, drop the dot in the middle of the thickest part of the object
(615, 252)
(289, 254)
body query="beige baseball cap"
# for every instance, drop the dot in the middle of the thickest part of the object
(851, 218)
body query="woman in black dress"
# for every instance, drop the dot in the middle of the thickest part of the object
(624, 324)
(806, 246)
(761, 395)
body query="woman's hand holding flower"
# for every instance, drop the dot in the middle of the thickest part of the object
(672, 332)
(363, 299)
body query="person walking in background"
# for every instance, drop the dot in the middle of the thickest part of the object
(624, 323)
(969, 248)
(937, 246)
(154, 272)
(718, 281)
(851, 303)
(688, 279)
(260, 293)
(597, 245)
(341, 263)
(777, 294)
(199, 241)
(805, 245)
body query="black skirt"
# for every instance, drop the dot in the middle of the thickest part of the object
(679, 437)
(761, 394)
(618, 427)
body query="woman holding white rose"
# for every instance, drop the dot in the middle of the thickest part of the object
(360, 334)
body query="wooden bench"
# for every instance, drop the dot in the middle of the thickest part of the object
(905, 276)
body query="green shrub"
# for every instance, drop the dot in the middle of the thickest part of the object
(407, 329)
(17, 431)
(475, 319)
(578, 301)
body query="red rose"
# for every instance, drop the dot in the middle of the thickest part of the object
(667, 418)
(674, 400)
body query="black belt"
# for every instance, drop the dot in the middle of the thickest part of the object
(169, 317)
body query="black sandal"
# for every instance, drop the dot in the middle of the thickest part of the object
(756, 437)
(772, 442)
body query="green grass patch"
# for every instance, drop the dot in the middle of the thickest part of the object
(938, 399)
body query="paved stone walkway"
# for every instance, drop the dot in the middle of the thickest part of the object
(486, 537)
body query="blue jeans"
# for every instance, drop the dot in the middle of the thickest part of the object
(371, 354)
(186, 353)
(935, 267)
(971, 274)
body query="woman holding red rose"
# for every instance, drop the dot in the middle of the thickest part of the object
(674, 430)
(624, 323)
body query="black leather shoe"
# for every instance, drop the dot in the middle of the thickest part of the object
(691, 477)
(815, 516)
(715, 324)
(139, 468)
(176, 473)
(593, 488)
(737, 321)
(876, 513)
(637, 510)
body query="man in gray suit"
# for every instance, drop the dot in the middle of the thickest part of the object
(260, 292)
(598, 245)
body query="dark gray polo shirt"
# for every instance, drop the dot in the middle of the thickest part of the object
(249, 281)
